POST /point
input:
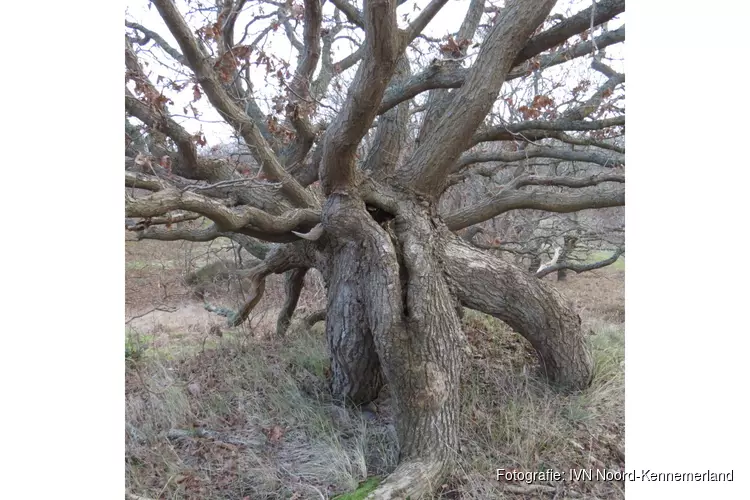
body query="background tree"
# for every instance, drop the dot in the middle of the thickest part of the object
(361, 167)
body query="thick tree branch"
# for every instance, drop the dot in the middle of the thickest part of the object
(301, 104)
(254, 247)
(342, 137)
(427, 170)
(529, 306)
(143, 181)
(351, 12)
(439, 99)
(391, 134)
(513, 199)
(423, 19)
(439, 75)
(597, 157)
(511, 131)
(235, 116)
(579, 50)
(228, 219)
(605, 10)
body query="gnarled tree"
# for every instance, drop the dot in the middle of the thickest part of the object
(386, 150)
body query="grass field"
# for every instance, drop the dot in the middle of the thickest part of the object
(238, 414)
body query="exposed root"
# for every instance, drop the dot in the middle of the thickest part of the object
(412, 479)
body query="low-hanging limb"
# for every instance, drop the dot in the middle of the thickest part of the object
(598, 157)
(515, 199)
(229, 219)
(528, 305)
(580, 268)
(294, 279)
(280, 259)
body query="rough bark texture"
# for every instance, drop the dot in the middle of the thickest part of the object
(396, 276)
(528, 305)
(356, 377)
(387, 287)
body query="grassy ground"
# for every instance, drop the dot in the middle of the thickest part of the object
(237, 414)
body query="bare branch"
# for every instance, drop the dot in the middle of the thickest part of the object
(294, 279)
(351, 12)
(593, 103)
(382, 49)
(391, 134)
(580, 268)
(423, 19)
(512, 199)
(439, 99)
(143, 181)
(251, 245)
(577, 23)
(512, 131)
(427, 170)
(280, 259)
(229, 219)
(540, 152)
(169, 219)
(438, 75)
(152, 35)
(235, 116)
(300, 104)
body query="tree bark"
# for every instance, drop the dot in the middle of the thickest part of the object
(528, 305)
(387, 291)
(356, 378)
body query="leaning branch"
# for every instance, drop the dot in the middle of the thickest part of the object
(427, 170)
(604, 10)
(227, 218)
(439, 75)
(580, 268)
(233, 114)
(597, 157)
(152, 35)
(513, 199)
(381, 51)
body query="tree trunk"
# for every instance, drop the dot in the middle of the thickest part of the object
(356, 378)
(386, 287)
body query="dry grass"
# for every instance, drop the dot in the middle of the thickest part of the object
(245, 416)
